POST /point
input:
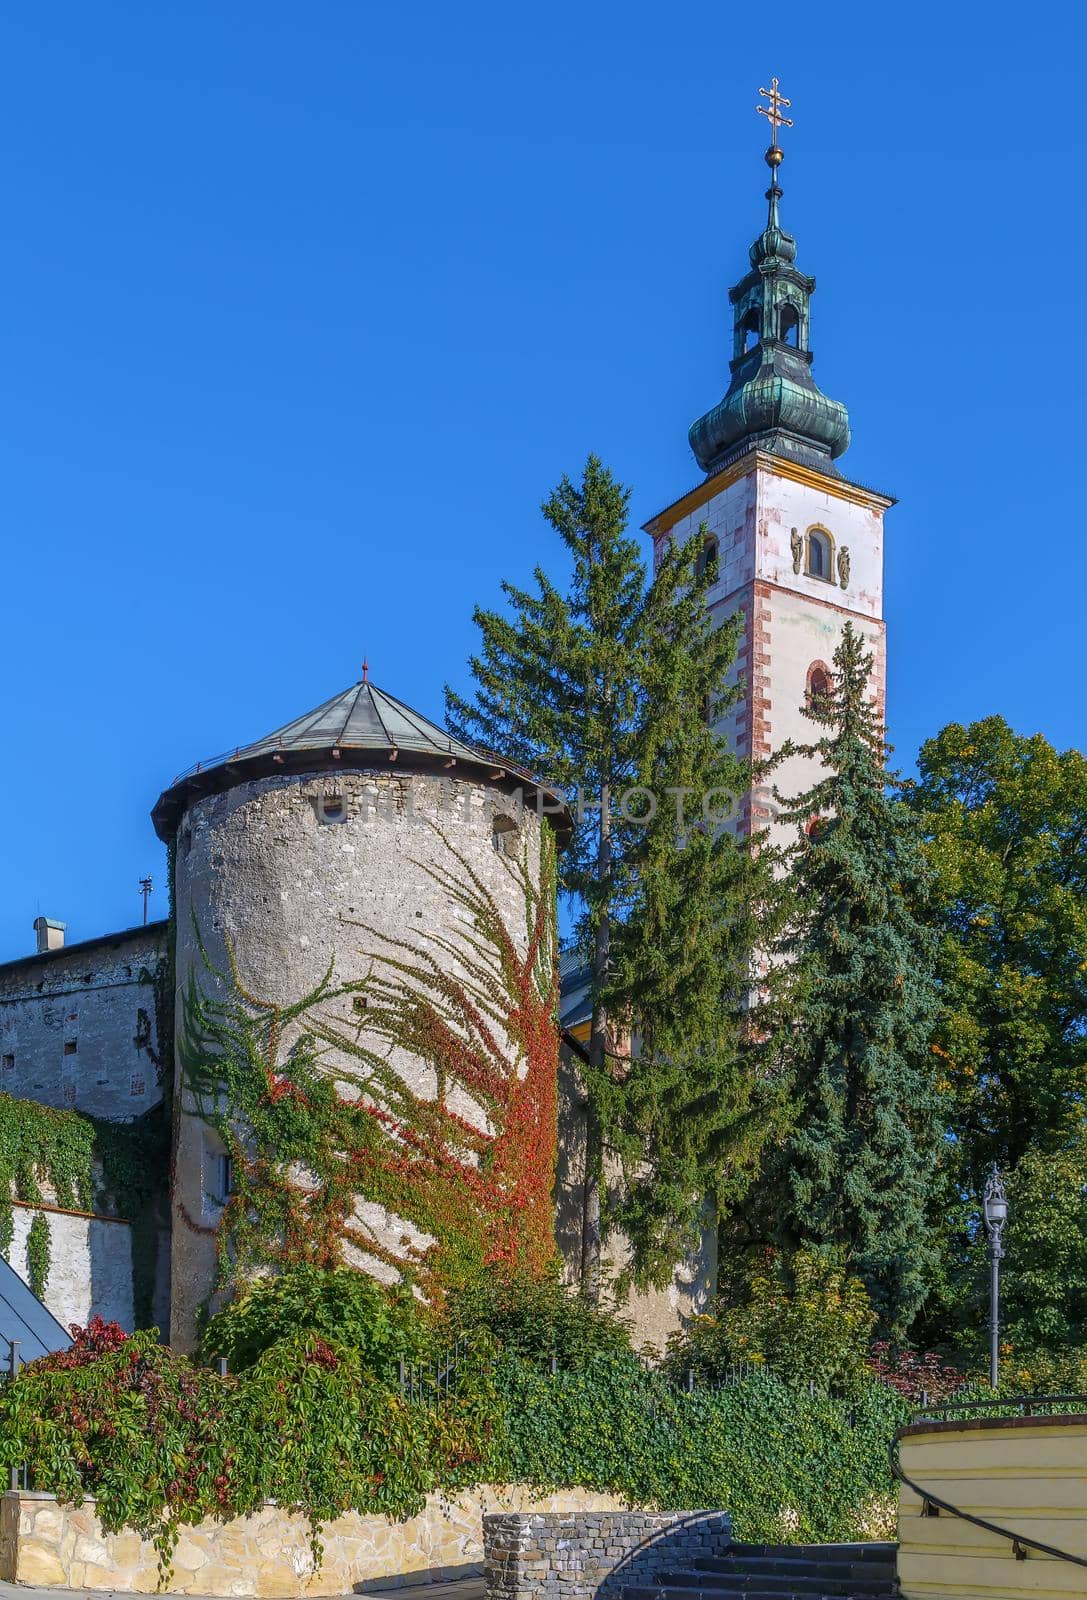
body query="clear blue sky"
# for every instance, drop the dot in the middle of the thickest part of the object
(305, 308)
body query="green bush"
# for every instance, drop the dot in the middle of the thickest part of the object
(536, 1319)
(340, 1304)
(786, 1464)
(162, 1442)
(1041, 1372)
(807, 1320)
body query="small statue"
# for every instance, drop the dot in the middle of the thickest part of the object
(843, 566)
(796, 539)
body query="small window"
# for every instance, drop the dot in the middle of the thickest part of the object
(332, 808)
(68, 1094)
(8, 1063)
(226, 1178)
(789, 326)
(814, 827)
(749, 328)
(708, 564)
(819, 562)
(819, 685)
(139, 1084)
(70, 1047)
(504, 835)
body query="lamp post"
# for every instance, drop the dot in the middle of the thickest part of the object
(995, 1209)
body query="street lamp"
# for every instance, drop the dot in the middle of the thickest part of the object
(995, 1209)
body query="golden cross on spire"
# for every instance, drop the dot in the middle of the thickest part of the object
(773, 112)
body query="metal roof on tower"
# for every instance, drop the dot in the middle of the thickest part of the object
(773, 403)
(363, 726)
(363, 717)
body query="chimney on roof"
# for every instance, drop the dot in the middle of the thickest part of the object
(50, 933)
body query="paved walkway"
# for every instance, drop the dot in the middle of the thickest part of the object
(459, 1589)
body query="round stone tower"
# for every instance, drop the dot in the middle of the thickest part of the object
(296, 853)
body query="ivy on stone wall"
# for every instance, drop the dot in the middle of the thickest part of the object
(45, 1155)
(133, 1158)
(313, 1107)
(161, 1442)
(38, 1253)
(79, 1163)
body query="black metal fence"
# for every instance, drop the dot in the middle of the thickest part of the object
(1031, 1405)
(424, 1382)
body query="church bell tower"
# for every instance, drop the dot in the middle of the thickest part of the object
(795, 546)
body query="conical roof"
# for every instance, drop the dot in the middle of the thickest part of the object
(363, 726)
(363, 717)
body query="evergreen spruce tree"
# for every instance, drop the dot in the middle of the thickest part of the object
(603, 686)
(856, 998)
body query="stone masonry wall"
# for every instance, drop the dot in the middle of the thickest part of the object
(264, 870)
(78, 1031)
(77, 1025)
(266, 1555)
(587, 1554)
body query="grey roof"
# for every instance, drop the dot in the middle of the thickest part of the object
(357, 727)
(363, 717)
(155, 929)
(24, 1318)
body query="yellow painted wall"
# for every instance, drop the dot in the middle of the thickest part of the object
(1027, 1474)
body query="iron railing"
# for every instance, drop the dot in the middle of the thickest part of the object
(425, 1382)
(1025, 1406)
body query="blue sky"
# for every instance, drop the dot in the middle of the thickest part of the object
(305, 308)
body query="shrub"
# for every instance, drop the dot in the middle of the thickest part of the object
(807, 1320)
(161, 1443)
(786, 1464)
(536, 1319)
(342, 1305)
(924, 1378)
(1052, 1372)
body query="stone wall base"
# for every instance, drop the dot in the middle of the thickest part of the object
(266, 1555)
(591, 1554)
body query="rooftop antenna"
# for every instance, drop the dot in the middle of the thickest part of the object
(145, 889)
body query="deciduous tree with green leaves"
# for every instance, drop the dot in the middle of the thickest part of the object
(1005, 818)
(852, 1007)
(603, 683)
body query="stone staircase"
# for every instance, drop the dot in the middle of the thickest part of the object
(779, 1572)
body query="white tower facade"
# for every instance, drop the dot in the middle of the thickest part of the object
(798, 552)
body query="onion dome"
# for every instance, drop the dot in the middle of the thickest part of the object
(772, 402)
(773, 243)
